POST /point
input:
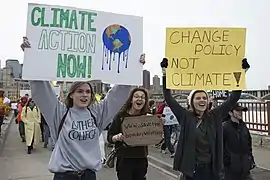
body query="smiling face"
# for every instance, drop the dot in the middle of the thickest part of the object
(81, 96)
(138, 101)
(200, 102)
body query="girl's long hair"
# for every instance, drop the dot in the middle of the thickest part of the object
(128, 104)
(73, 88)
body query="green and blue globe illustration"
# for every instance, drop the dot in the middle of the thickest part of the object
(116, 42)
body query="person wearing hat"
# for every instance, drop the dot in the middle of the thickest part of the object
(238, 157)
(199, 153)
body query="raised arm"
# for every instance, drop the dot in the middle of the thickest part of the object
(176, 108)
(111, 104)
(223, 110)
(179, 111)
(46, 101)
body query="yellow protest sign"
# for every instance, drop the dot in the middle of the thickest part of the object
(205, 58)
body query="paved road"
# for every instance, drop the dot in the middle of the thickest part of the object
(164, 161)
(15, 164)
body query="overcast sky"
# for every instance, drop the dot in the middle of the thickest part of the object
(159, 14)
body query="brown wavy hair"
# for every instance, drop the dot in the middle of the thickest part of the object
(73, 88)
(128, 104)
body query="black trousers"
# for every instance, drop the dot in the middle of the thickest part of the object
(22, 129)
(203, 173)
(229, 175)
(84, 175)
(42, 131)
(1, 122)
(131, 168)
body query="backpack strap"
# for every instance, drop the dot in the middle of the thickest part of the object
(94, 118)
(62, 122)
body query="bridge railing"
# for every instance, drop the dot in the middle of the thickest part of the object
(257, 117)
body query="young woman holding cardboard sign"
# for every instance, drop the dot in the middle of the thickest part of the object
(76, 126)
(199, 151)
(131, 162)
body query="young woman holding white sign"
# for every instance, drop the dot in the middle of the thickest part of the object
(76, 126)
(199, 151)
(132, 161)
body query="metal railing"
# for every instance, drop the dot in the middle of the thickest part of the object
(257, 117)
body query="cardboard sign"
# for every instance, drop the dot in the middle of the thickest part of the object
(71, 44)
(205, 58)
(142, 130)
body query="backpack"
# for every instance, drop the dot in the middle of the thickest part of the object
(64, 118)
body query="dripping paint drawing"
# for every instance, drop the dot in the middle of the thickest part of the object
(116, 44)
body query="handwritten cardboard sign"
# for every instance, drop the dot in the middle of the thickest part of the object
(142, 130)
(205, 58)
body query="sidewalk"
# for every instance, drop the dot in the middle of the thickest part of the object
(261, 155)
(4, 129)
(16, 164)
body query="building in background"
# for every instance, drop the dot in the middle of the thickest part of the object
(156, 84)
(146, 79)
(16, 68)
(10, 79)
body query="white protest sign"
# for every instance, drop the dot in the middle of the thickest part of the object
(169, 118)
(55, 88)
(73, 44)
(24, 92)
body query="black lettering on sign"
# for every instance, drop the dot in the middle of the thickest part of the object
(205, 36)
(201, 79)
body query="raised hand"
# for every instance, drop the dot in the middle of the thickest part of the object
(25, 44)
(142, 58)
(164, 65)
(245, 64)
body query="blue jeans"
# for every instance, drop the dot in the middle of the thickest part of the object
(86, 175)
(167, 129)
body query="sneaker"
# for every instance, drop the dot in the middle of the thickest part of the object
(172, 155)
(163, 152)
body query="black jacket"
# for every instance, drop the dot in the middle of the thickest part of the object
(124, 150)
(238, 155)
(43, 121)
(184, 160)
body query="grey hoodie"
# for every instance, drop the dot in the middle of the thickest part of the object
(77, 148)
